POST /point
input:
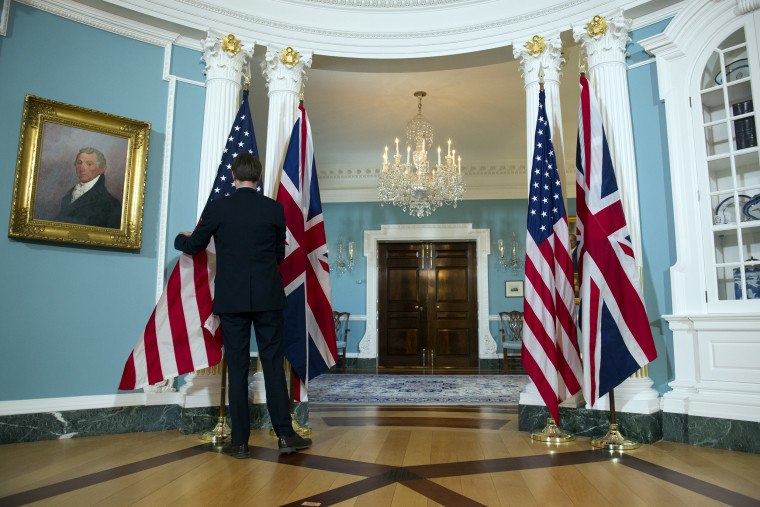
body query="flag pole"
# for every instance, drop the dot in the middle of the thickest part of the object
(551, 433)
(613, 440)
(304, 431)
(221, 431)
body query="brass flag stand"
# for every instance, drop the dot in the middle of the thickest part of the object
(552, 434)
(614, 440)
(221, 431)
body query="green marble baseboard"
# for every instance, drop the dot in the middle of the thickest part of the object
(643, 428)
(103, 421)
(726, 434)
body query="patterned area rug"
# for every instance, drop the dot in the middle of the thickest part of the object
(416, 389)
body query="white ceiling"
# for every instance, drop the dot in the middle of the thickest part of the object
(358, 105)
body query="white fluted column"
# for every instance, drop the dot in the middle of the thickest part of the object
(607, 75)
(534, 54)
(224, 81)
(283, 76)
(226, 59)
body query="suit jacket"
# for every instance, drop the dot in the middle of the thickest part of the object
(249, 235)
(96, 207)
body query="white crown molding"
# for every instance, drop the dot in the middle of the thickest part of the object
(383, 4)
(379, 28)
(109, 22)
(656, 16)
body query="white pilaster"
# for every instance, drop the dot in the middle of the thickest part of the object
(284, 83)
(224, 81)
(550, 58)
(608, 80)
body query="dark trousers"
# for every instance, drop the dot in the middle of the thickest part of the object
(236, 334)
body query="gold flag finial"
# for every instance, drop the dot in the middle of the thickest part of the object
(536, 46)
(231, 44)
(598, 26)
(581, 64)
(289, 56)
(541, 75)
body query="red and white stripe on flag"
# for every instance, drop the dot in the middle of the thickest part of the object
(182, 334)
(550, 352)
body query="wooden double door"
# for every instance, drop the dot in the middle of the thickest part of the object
(427, 305)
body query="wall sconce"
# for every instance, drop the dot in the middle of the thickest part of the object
(512, 260)
(343, 264)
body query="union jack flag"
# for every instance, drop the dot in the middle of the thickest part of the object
(309, 328)
(550, 352)
(617, 339)
(183, 334)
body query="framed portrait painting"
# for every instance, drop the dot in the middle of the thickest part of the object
(80, 176)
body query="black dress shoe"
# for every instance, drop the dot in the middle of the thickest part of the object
(239, 451)
(293, 443)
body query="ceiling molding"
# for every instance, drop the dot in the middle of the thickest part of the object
(106, 21)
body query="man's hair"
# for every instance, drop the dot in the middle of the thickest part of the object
(99, 157)
(246, 167)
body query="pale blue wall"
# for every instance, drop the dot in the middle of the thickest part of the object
(71, 315)
(655, 203)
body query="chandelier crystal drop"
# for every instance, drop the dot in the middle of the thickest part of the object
(417, 185)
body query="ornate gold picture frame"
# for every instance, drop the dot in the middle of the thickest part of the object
(80, 176)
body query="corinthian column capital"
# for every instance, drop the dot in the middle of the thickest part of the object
(284, 69)
(604, 39)
(540, 52)
(225, 56)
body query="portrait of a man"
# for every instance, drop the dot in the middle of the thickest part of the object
(81, 177)
(89, 202)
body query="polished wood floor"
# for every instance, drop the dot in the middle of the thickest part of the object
(376, 456)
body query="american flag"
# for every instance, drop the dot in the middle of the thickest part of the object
(617, 339)
(309, 328)
(183, 334)
(550, 352)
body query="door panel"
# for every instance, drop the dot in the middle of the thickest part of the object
(453, 324)
(427, 308)
(401, 287)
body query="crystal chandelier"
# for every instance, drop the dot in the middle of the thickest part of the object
(418, 185)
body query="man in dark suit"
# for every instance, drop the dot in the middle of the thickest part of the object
(249, 236)
(89, 202)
